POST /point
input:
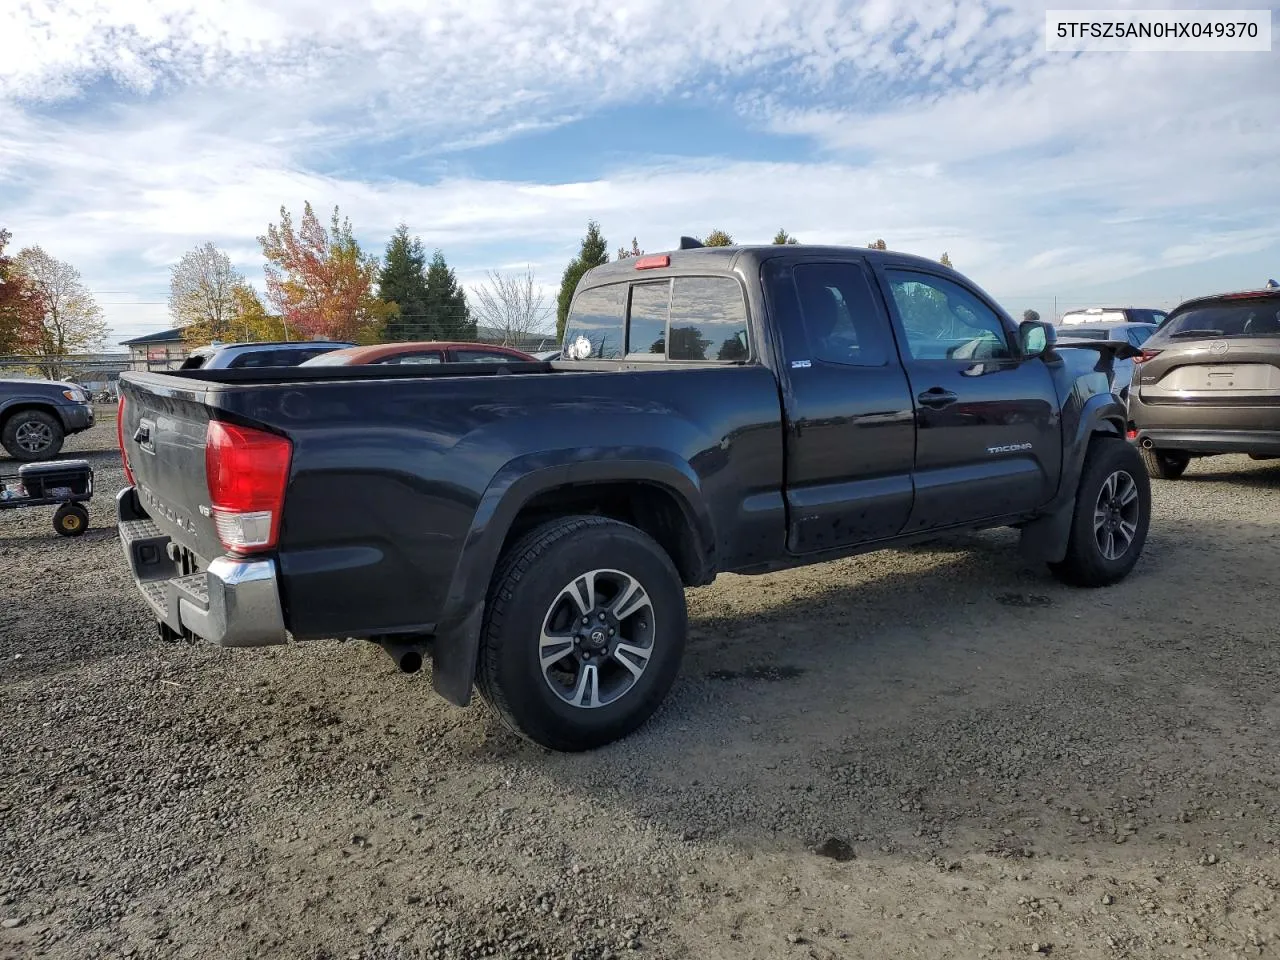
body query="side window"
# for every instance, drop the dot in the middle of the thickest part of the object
(944, 321)
(1158, 317)
(708, 320)
(1139, 335)
(595, 328)
(647, 327)
(841, 318)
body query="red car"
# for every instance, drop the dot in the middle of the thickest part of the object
(420, 352)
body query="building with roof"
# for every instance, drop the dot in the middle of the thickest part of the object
(164, 350)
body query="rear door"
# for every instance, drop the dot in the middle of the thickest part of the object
(988, 430)
(850, 437)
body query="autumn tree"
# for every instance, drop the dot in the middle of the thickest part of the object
(782, 237)
(635, 251)
(17, 301)
(402, 281)
(593, 252)
(512, 305)
(446, 315)
(878, 245)
(248, 321)
(718, 238)
(202, 289)
(945, 259)
(319, 280)
(66, 320)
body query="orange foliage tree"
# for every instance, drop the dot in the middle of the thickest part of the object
(319, 280)
(19, 305)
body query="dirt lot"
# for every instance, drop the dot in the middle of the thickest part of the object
(932, 753)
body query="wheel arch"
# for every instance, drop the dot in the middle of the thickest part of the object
(652, 490)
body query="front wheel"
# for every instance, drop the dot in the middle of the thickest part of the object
(1163, 465)
(583, 634)
(32, 435)
(1112, 513)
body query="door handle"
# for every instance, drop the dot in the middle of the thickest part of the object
(937, 397)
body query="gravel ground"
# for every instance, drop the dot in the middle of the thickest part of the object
(937, 752)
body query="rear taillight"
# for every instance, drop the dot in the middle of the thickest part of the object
(1146, 355)
(247, 470)
(124, 454)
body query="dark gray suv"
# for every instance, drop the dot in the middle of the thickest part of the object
(35, 416)
(1208, 382)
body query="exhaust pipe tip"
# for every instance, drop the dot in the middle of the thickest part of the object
(1147, 443)
(408, 657)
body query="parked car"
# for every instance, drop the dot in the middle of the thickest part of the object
(37, 415)
(420, 352)
(533, 532)
(234, 356)
(1208, 382)
(1112, 315)
(1134, 334)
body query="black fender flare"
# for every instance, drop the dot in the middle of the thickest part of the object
(456, 641)
(1045, 538)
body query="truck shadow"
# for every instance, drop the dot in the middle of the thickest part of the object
(941, 683)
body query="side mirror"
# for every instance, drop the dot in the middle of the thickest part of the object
(1037, 338)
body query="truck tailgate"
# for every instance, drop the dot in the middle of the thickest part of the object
(163, 436)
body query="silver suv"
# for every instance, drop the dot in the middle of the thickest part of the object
(221, 356)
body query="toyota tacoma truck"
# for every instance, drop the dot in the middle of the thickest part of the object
(529, 528)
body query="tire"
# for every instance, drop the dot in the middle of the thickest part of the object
(1088, 562)
(535, 612)
(1163, 465)
(31, 435)
(71, 520)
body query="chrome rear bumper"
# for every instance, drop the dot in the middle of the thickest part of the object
(234, 602)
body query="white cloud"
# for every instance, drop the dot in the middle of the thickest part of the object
(942, 127)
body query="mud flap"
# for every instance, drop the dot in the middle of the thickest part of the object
(1044, 539)
(454, 653)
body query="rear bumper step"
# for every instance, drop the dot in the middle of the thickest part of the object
(233, 603)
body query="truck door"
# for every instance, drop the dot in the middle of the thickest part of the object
(988, 430)
(850, 436)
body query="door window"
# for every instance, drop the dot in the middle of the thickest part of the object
(483, 356)
(430, 356)
(596, 326)
(842, 320)
(944, 321)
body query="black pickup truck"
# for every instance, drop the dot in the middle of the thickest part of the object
(531, 527)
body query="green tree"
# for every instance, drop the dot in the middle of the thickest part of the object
(782, 237)
(402, 281)
(878, 245)
(593, 253)
(718, 238)
(945, 259)
(635, 251)
(446, 315)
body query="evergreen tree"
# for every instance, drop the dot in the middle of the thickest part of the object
(878, 245)
(593, 253)
(445, 312)
(945, 259)
(782, 237)
(402, 281)
(718, 238)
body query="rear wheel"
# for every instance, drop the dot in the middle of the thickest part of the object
(71, 520)
(1164, 465)
(583, 633)
(1112, 512)
(32, 435)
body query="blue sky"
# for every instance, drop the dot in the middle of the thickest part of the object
(497, 128)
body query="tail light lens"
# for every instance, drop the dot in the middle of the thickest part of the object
(248, 471)
(1146, 355)
(124, 454)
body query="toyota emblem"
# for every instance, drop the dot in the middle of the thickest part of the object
(1219, 347)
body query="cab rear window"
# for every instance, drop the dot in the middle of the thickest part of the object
(700, 319)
